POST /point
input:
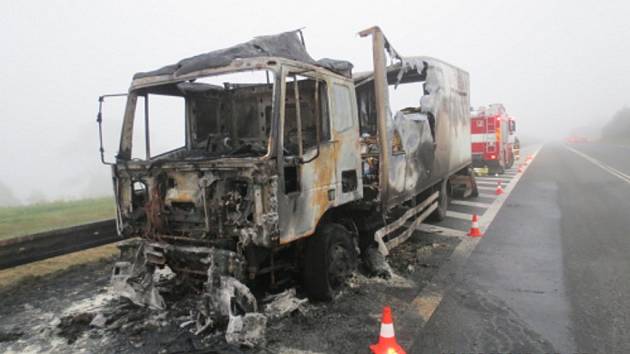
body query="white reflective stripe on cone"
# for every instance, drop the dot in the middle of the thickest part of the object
(387, 330)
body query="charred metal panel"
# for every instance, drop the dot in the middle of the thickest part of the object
(347, 145)
(300, 211)
(429, 142)
(203, 203)
(283, 45)
(448, 100)
(321, 178)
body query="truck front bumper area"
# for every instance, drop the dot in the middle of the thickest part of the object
(194, 260)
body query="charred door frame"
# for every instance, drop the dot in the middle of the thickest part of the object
(300, 211)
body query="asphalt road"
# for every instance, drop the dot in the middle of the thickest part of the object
(552, 274)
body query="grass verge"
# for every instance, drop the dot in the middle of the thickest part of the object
(25, 220)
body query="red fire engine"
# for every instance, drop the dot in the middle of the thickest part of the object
(492, 135)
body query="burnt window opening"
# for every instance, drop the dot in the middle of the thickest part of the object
(313, 111)
(407, 94)
(291, 179)
(166, 124)
(228, 114)
(139, 195)
(367, 109)
(208, 111)
(406, 97)
(247, 116)
(233, 113)
(349, 181)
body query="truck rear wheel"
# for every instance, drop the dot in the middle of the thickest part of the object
(330, 258)
(439, 214)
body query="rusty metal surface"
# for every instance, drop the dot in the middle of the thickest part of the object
(322, 180)
(416, 215)
(381, 103)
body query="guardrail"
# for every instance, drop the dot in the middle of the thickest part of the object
(30, 248)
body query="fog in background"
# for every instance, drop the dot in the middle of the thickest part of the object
(555, 65)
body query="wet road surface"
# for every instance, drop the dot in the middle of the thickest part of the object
(552, 274)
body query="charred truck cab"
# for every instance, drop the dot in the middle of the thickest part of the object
(297, 173)
(262, 164)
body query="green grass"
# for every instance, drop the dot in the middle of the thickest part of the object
(24, 220)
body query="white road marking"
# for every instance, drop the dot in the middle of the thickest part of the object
(613, 171)
(441, 230)
(486, 188)
(469, 203)
(495, 178)
(432, 294)
(490, 183)
(458, 215)
(427, 301)
(487, 195)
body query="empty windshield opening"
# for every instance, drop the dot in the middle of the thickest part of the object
(221, 116)
(232, 114)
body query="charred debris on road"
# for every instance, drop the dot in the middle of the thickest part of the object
(77, 310)
(291, 179)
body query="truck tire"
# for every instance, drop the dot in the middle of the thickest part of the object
(439, 214)
(330, 258)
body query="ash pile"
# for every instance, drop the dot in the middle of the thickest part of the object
(150, 303)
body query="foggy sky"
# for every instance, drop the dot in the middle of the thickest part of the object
(554, 64)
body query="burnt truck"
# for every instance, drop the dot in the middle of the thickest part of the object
(298, 175)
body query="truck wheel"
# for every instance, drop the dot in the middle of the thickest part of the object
(439, 214)
(330, 258)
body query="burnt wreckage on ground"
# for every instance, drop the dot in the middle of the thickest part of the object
(298, 173)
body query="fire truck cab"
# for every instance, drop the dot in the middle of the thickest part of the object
(492, 136)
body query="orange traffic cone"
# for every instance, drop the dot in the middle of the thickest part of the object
(520, 168)
(499, 190)
(474, 228)
(387, 339)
